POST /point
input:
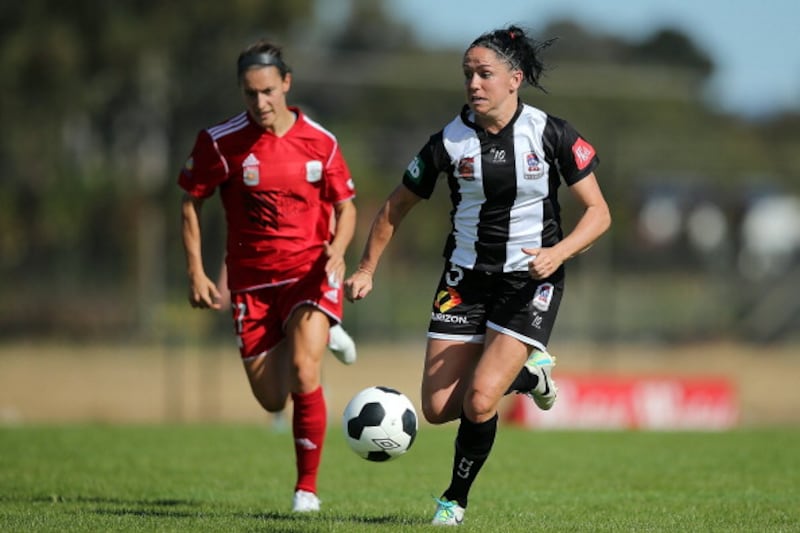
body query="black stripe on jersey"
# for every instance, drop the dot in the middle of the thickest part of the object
(498, 170)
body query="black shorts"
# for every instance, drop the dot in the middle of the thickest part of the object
(468, 301)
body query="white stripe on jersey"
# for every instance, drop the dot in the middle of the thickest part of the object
(462, 143)
(229, 126)
(526, 216)
(319, 127)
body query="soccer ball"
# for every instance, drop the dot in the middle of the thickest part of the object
(380, 424)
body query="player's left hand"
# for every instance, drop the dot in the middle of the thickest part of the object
(544, 262)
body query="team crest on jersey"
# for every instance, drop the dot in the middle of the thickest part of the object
(543, 297)
(250, 170)
(534, 169)
(313, 171)
(583, 152)
(446, 300)
(465, 168)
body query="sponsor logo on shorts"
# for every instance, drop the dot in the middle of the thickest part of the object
(450, 319)
(543, 297)
(446, 300)
(332, 295)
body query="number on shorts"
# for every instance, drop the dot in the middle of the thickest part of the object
(454, 276)
(241, 313)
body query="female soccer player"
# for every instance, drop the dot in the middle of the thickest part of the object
(503, 279)
(281, 177)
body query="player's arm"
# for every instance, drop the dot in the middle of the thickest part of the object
(384, 226)
(202, 291)
(595, 221)
(345, 226)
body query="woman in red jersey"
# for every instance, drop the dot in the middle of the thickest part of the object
(282, 179)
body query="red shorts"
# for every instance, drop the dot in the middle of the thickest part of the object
(260, 315)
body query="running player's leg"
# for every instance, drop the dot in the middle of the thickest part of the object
(500, 361)
(310, 305)
(306, 333)
(262, 347)
(455, 342)
(448, 369)
(537, 303)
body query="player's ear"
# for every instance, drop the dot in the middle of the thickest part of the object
(516, 80)
(287, 82)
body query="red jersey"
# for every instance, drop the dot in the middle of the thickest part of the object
(278, 194)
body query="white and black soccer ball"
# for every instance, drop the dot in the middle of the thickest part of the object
(380, 423)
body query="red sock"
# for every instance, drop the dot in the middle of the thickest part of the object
(309, 420)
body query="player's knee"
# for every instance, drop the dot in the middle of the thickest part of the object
(436, 412)
(479, 405)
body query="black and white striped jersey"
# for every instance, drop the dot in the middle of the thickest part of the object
(503, 186)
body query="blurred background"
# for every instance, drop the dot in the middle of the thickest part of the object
(693, 107)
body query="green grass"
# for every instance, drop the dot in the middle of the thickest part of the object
(240, 478)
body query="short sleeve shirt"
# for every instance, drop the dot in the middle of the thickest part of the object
(278, 194)
(503, 187)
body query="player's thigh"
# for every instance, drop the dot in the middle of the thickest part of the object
(502, 359)
(447, 374)
(306, 337)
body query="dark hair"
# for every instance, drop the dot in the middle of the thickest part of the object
(519, 50)
(261, 53)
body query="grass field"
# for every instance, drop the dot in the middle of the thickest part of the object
(239, 478)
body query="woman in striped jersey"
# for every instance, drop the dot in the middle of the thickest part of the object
(503, 278)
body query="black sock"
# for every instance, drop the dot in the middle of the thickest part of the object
(472, 447)
(524, 382)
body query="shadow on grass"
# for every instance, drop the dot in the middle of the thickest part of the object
(180, 508)
(338, 518)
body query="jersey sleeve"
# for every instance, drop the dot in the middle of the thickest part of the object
(423, 171)
(576, 158)
(339, 185)
(205, 169)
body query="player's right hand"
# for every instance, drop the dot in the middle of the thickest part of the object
(203, 294)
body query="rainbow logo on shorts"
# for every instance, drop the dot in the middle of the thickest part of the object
(446, 300)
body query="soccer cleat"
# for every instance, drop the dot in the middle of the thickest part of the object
(541, 365)
(342, 345)
(447, 513)
(305, 502)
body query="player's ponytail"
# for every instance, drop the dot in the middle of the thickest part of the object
(518, 49)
